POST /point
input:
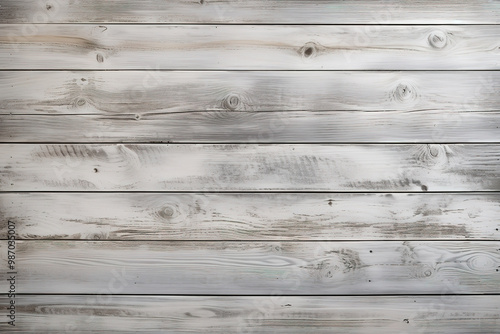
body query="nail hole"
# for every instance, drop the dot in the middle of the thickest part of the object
(371, 251)
(96, 170)
(49, 7)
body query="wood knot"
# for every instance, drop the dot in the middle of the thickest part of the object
(404, 93)
(48, 6)
(232, 102)
(437, 39)
(80, 102)
(137, 117)
(309, 50)
(100, 58)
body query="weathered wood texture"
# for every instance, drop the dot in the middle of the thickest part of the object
(253, 11)
(139, 216)
(256, 127)
(277, 314)
(252, 167)
(140, 92)
(256, 268)
(250, 47)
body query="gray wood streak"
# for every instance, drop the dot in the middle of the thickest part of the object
(258, 11)
(251, 216)
(252, 167)
(277, 314)
(256, 127)
(256, 268)
(250, 47)
(141, 92)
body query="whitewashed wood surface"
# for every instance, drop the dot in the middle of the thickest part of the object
(253, 11)
(156, 92)
(257, 268)
(248, 47)
(255, 127)
(277, 314)
(250, 167)
(257, 166)
(246, 216)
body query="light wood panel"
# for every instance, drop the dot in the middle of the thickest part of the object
(258, 11)
(197, 47)
(178, 167)
(140, 92)
(278, 314)
(256, 268)
(131, 216)
(256, 127)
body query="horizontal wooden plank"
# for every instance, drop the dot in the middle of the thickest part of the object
(257, 11)
(256, 268)
(245, 47)
(112, 216)
(252, 167)
(140, 92)
(278, 314)
(256, 127)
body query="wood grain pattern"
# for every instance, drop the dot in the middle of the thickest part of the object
(256, 268)
(251, 167)
(256, 127)
(218, 217)
(278, 314)
(196, 47)
(254, 11)
(142, 92)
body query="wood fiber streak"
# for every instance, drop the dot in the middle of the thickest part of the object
(253, 11)
(256, 127)
(256, 268)
(197, 47)
(277, 314)
(241, 216)
(140, 92)
(251, 167)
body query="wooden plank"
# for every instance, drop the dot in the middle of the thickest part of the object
(256, 268)
(256, 127)
(140, 92)
(253, 11)
(286, 167)
(131, 216)
(244, 47)
(278, 314)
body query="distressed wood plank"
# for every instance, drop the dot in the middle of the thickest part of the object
(256, 268)
(116, 216)
(140, 92)
(250, 47)
(256, 127)
(277, 314)
(253, 11)
(178, 167)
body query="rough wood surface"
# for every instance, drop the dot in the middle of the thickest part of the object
(131, 216)
(256, 268)
(253, 11)
(243, 47)
(256, 127)
(278, 314)
(252, 167)
(142, 92)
